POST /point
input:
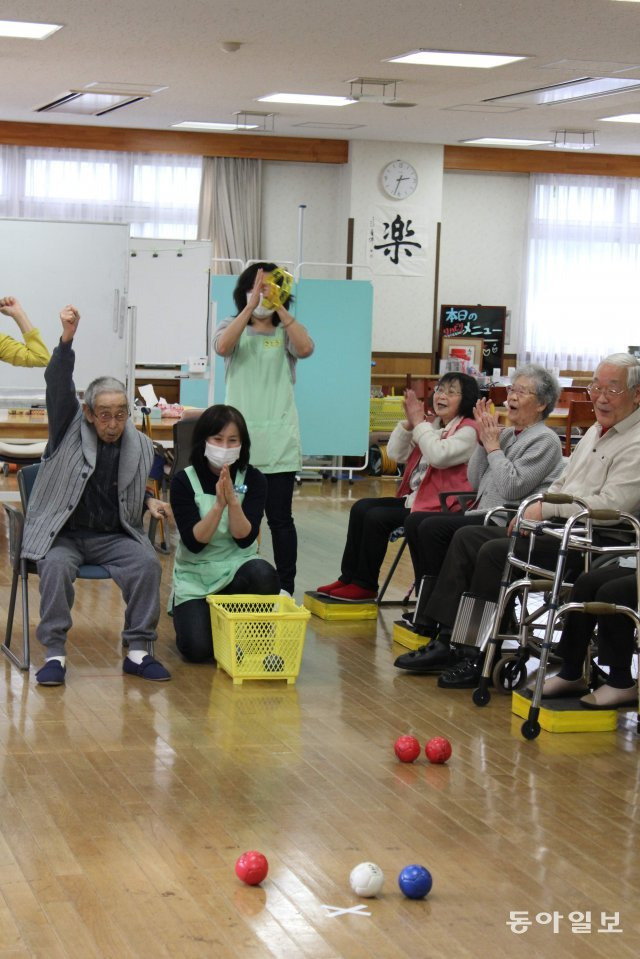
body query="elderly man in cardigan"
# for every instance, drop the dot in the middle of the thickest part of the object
(86, 507)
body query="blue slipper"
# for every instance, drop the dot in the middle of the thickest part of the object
(149, 668)
(51, 674)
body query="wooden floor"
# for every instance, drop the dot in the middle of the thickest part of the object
(125, 804)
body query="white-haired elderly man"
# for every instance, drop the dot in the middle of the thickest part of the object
(603, 470)
(86, 508)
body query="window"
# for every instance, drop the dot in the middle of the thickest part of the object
(582, 267)
(157, 194)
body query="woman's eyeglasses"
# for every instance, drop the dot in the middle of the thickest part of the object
(519, 391)
(448, 390)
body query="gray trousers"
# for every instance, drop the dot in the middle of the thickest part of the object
(133, 566)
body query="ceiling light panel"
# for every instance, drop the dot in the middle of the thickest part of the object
(451, 58)
(310, 125)
(307, 99)
(623, 118)
(23, 30)
(88, 104)
(202, 125)
(506, 142)
(586, 88)
(483, 108)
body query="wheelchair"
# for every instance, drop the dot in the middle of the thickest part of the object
(522, 578)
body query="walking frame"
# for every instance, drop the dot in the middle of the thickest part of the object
(576, 534)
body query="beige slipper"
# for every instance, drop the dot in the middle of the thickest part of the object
(608, 697)
(558, 688)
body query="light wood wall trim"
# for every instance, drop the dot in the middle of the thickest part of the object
(251, 146)
(496, 160)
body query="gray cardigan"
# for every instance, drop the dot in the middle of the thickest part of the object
(523, 465)
(70, 459)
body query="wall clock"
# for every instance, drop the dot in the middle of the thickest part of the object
(399, 179)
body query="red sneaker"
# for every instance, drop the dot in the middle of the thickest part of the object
(354, 594)
(328, 590)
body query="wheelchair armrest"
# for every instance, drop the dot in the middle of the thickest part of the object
(465, 497)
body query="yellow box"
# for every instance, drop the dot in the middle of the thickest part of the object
(564, 715)
(385, 413)
(332, 609)
(258, 637)
(406, 637)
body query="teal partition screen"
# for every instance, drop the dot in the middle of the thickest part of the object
(332, 389)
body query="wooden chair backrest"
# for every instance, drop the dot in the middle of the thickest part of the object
(498, 395)
(581, 414)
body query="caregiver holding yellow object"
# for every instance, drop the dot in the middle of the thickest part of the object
(261, 346)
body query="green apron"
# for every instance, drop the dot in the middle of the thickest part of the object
(259, 385)
(195, 575)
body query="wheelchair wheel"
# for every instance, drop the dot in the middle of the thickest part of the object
(481, 696)
(530, 729)
(508, 674)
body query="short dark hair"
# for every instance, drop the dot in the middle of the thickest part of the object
(469, 389)
(210, 423)
(245, 284)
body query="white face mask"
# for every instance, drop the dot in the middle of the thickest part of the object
(260, 310)
(220, 456)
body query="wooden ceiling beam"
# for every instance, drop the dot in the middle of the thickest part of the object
(498, 160)
(246, 145)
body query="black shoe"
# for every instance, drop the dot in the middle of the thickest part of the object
(464, 675)
(432, 658)
(408, 616)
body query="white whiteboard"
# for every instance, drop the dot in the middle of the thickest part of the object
(171, 296)
(47, 264)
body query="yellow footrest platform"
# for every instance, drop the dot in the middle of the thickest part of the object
(326, 608)
(565, 715)
(406, 637)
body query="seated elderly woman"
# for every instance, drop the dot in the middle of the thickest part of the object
(508, 465)
(602, 471)
(218, 503)
(436, 455)
(616, 643)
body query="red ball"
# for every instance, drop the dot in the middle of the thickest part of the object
(438, 750)
(252, 867)
(407, 748)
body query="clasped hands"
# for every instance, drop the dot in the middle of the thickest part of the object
(225, 492)
(489, 428)
(413, 408)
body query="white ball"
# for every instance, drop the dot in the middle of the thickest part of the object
(366, 879)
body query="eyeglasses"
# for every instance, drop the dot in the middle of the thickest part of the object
(595, 390)
(519, 391)
(445, 389)
(104, 416)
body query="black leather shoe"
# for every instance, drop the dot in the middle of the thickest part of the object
(464, 675)
(432, 658)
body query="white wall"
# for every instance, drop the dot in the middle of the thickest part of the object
(482, 241)
(402, 305)
(322, 187)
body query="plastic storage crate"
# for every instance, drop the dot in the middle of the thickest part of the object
(258, 637)
(385, 413)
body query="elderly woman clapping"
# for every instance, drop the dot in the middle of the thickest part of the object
(436, 455)
(508, 465)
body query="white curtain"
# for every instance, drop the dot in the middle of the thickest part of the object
(582, 276)
(230, 209)
(156, 193)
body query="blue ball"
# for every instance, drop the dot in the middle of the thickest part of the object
(415, 882)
